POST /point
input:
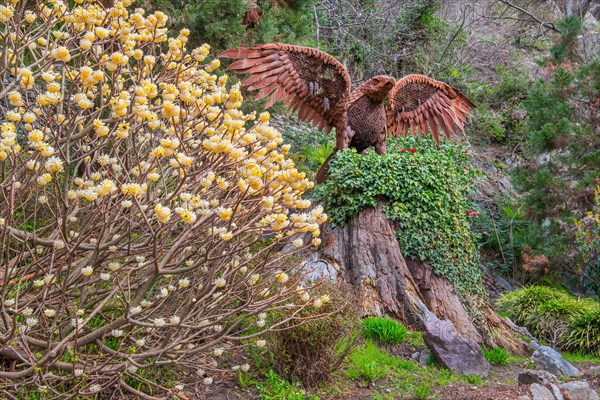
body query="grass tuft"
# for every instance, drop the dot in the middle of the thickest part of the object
(384, 330)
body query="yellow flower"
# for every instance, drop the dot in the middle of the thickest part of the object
(61, 54)
(187, 216)
(224, 213)
(6, 13)
(53, 165)
(99, 127)
(123, 130)
(264, 117)
(132, 189)
(170, 110)
(105, 187)
(162, 213)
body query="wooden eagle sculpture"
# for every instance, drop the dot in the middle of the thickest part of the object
(319, 86)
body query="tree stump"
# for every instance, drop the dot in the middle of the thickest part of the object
(367, 254)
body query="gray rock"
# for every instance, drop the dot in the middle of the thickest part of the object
(553, 362)
(415, 355)
(523, 397)
(543, 158)
(424, 357)
(594, 372)
(454, 351)
(540, 392)
(578, 390)
(556, 392)
(530, 376)
(317, 271)
(503, 283)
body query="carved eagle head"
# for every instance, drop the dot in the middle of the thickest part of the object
(378, 87)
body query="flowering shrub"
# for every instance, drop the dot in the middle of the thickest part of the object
(133, 195)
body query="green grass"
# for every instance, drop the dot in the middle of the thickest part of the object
(581, 358)
(277, 388)
(496, 356)
(415, 339)
(370, 363)
(384, 330)
(404, 378)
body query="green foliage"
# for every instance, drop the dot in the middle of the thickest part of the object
(584, 333)
(312, 351)
(277, 388)
(316, 156)
(221, 23)
(499, 113)
(426, 193)
(384, 330)
(555, 316)
(560, 124)
(476, 380)
(588, 246)
(496, 356)
(370, 363)
(569, 27)
(422, 392)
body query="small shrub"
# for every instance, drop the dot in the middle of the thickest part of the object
(372, 371)
(584, 333)
(312, 351)
(384, 330)
(414, 177)
(496, 356)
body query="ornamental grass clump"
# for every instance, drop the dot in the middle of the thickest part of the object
(133, 192)
(384, 330)
(555, 316)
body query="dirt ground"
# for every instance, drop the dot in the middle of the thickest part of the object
(501, 384)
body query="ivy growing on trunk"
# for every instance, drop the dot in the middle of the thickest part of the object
(426, 189)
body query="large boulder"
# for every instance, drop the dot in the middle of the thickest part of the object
(578, 390)
(453, 351)
(553, 362)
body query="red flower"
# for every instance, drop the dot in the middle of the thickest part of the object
(403, 150)
(413, 150)
(472, 213)
(465, 153)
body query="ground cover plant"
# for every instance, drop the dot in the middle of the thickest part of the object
(426, 188)
(136, 200)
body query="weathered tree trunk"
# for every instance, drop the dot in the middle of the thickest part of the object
(367, 253)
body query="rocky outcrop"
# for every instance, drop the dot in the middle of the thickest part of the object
(454, 351)
(552, 361)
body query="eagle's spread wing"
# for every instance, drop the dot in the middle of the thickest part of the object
(420, 103)
(306, 79)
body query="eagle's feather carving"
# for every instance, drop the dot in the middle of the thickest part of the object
(319, 87)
